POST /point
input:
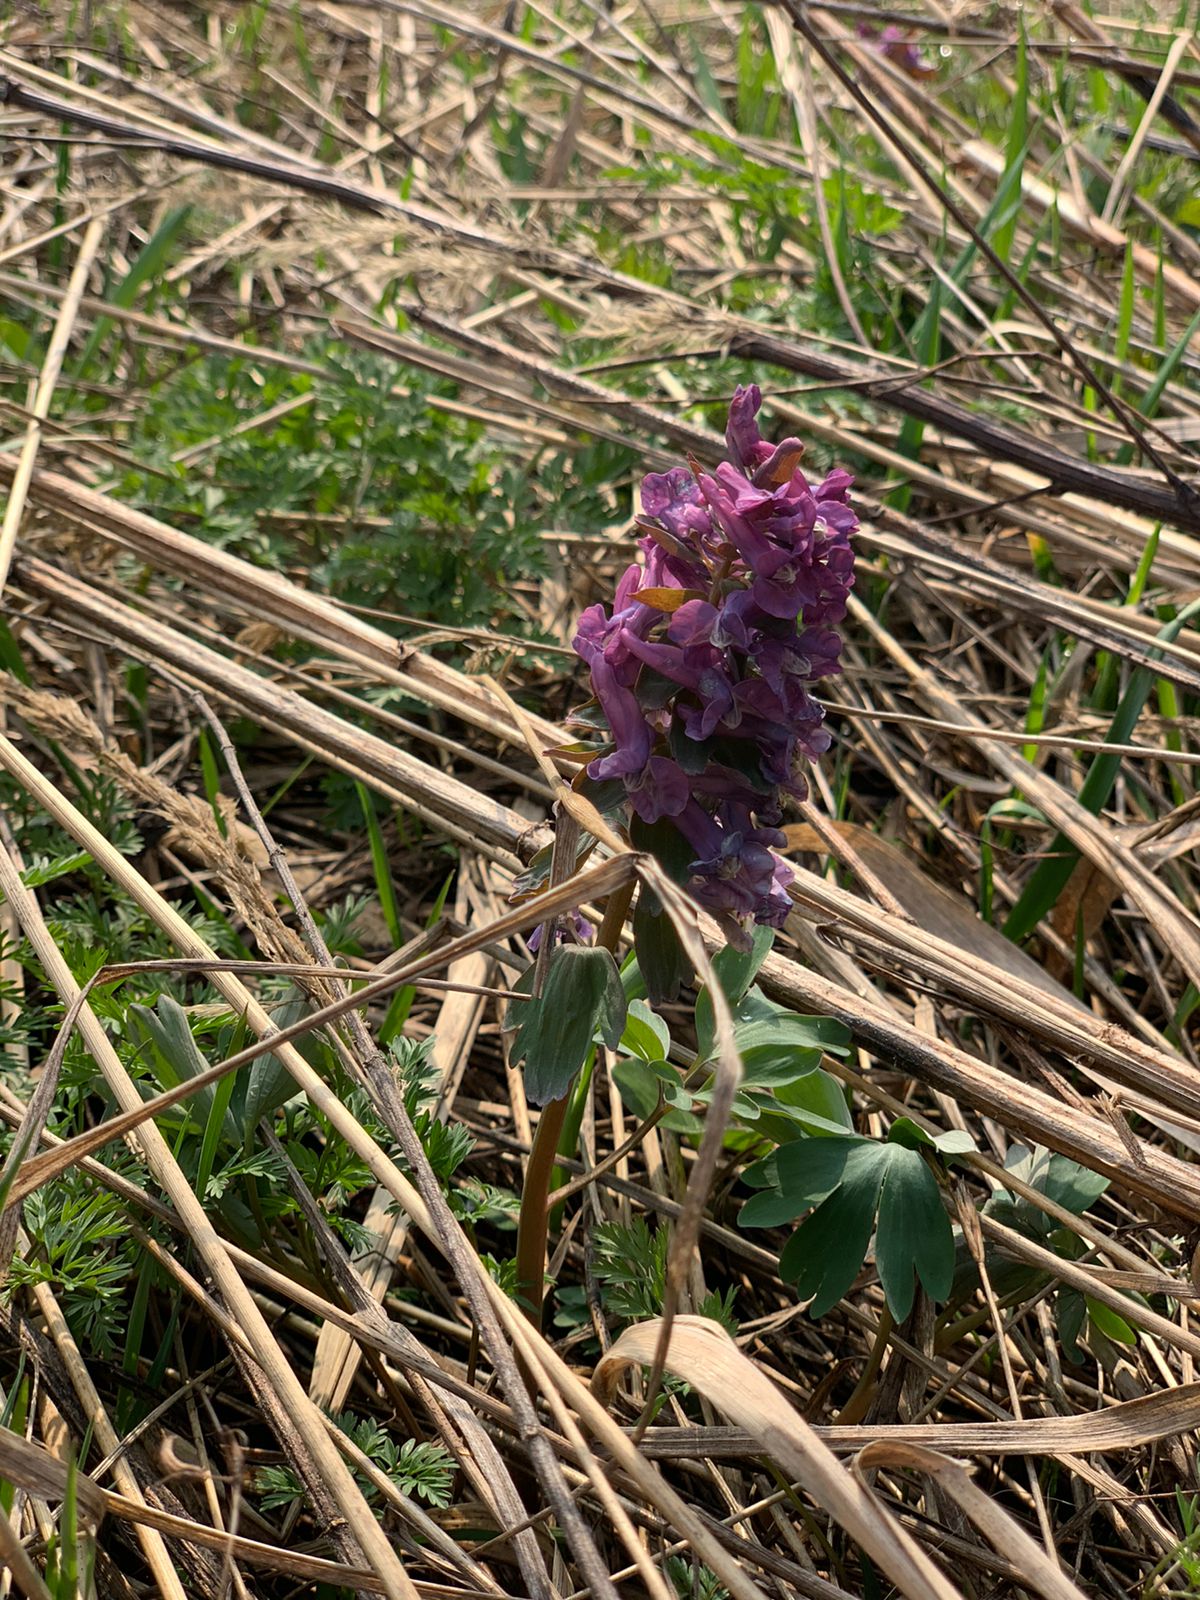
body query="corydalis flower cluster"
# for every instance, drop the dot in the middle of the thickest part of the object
(704, 666)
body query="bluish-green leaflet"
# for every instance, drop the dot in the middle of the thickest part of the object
(846, 1182)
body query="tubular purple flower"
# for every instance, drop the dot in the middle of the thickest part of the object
(632, 734)
(574, 923)
(705, 683)
(742, 438)
(661, 789)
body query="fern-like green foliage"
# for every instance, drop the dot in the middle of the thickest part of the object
(415, 1467)
(631, 1267)
(81, 1247)
(424, 516)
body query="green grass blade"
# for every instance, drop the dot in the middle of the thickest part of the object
(1104, 694)
(1049, 878)
(1007, 204)
(212, 781)
(1035, 716)
(214, 1129)
(1169, 708)
(380, 867)
(1124, 318)
(148, 264)
(1162, 378)
(397, 1012)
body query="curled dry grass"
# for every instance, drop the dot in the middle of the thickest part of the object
(1027, 479)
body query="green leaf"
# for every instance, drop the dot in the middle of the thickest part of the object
(824, 1255)
(646, 1034)
(816, 1100)
(641, 1084)
(150, 262)
(805, 1172)
(380, 866)
(582, 995)
(760, 1023)
(952, 1143)
(914, 1238)
(638, 1085)
(955, 1142)
(906, 1132)
(41, 871)
(166, 1028)
(1059, 1178)
(1107, 1321)
(1068, 1184)
(1069, 1312)
(11, 659)
(269, 1084)
(735, 971)
(771, 1067)
(786, 1029)
(662, 960)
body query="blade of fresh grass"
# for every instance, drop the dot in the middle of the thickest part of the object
(1124, 319)
(16, 1409)
(212, 781)
(1035, 715)
(1009, 208)
(1001, 214)
(147, 265)
(213, 1129)
(1169, 709)
(1162, 378)
(1050, 876)
(401, 1002)
(380, 867)
(1107, 664)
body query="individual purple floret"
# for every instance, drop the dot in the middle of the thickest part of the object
(703, 669)
(574, 927)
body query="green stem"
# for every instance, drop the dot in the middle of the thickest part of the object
(568, 1140)
(533, 1224)
(859, 1402)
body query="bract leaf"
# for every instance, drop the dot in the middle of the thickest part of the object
(583, 995)
(666, 599)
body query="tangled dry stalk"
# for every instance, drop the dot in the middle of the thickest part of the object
(581, 225)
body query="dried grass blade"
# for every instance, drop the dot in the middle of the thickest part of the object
(276, 1370)
(1006, 1534)
(702, 1352)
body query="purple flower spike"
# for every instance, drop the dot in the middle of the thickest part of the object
(704, 666)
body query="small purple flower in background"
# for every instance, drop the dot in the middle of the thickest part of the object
(703, 669)
(893, 43)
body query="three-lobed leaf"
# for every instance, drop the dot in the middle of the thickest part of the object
(845, 1185)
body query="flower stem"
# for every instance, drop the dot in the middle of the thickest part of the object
(533, 1223)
